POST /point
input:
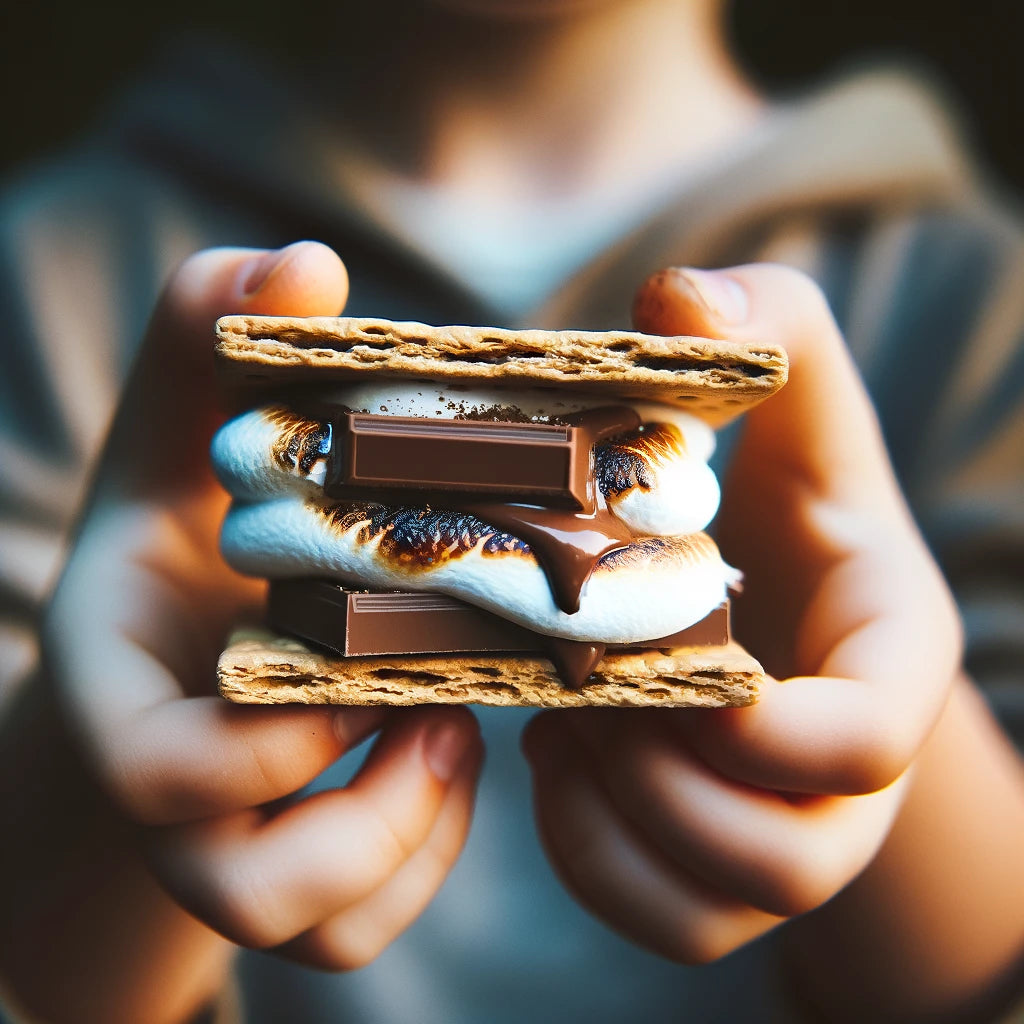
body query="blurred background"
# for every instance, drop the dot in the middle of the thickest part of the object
(59, 61)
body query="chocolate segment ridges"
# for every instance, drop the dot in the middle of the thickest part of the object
(434, 460)
(567, 542)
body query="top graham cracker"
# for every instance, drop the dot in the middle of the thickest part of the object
(716, 380)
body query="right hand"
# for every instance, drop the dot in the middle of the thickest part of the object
(132, 638)
(694, 831)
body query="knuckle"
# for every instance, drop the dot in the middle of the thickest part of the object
(190, 264)
(799, 888)
(350, 950)
(808, 312)
(801, 285)
(702, 942)
(185, 295)
(183, 280)
(808, 873)
(272, 777)
(149, 786)
(194, 266)
(389, 845)
(883, 757)
(234, 905)
(132, 786)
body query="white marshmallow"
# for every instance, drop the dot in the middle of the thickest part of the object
(642, 601)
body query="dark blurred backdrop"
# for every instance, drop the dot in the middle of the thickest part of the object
(58, 61)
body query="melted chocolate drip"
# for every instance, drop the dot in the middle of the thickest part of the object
(574, 660)
(569, 544)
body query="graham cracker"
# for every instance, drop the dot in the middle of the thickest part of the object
(260, 667)
(716, 380)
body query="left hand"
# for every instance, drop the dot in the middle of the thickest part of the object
(132, 638)
(692, 831)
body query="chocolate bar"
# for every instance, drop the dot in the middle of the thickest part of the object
(358, 623)
(541, 463)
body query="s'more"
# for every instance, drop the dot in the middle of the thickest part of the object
(477, 515)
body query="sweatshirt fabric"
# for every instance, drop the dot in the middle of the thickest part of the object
(865, 185)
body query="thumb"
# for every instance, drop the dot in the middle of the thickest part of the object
(840, 589)
(821, 430)
(811, 502)
(171, 405)
(302, 279)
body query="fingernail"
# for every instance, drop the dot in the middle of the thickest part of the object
(259, 270)
(446, 744)
(722, 294)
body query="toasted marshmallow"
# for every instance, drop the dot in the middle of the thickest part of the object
(651, 588)
(655, 480)
(654, 485)
(458, 401)
(658, 482)
(271, 451)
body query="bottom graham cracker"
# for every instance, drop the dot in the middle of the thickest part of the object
(261, 667)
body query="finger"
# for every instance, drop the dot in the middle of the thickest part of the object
(882, 637)
(838, 582)
(877, 646)
(301, 279)
(145, 599)
(810, 734)
(125, 643)
(360, 933)
(170, 405)
(615, 873)
(811, 460)
(186, 760)
(782, 856)
(261, 879)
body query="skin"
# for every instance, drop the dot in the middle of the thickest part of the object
(152, 825)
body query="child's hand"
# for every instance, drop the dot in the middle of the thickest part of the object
(132, 639)
(693, 832)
